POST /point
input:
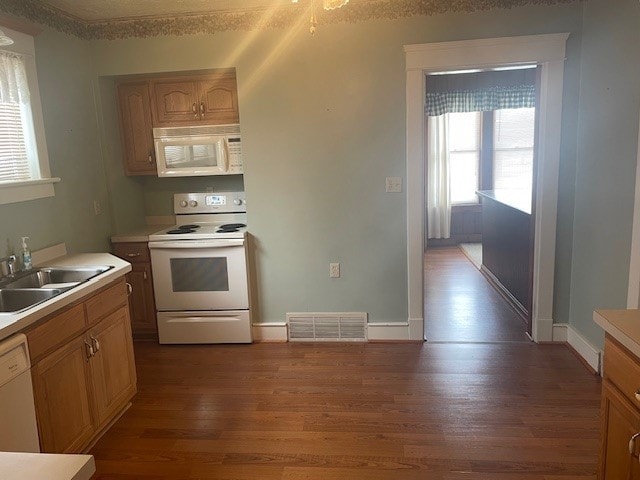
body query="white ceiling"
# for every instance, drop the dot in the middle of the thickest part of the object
(101, 10)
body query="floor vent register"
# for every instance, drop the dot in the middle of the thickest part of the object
(327, 327)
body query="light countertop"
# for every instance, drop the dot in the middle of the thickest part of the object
(11, 323)
(517, 199)
(623, 325)
(139, 234)
(45, 466)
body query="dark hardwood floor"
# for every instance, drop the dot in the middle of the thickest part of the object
(357, 411)
(462, 306)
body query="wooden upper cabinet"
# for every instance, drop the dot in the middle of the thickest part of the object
(219, 100)
(136, 128)
(196, 100)
(175, 102)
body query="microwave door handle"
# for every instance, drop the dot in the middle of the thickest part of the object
(224, 154)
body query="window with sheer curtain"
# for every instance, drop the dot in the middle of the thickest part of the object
(18, 155)
(24, 161)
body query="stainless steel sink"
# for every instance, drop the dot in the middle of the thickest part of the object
(24, 290)
(14, 301)
(62, 278)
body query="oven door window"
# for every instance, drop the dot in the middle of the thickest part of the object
(208, 274)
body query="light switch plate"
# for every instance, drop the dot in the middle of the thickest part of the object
(393, 184)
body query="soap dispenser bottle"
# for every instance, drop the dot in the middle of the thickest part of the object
(26, 255)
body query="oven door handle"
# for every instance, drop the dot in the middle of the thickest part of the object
(191, 244)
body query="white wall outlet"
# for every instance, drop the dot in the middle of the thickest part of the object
(334, 270)
(393, 184)
(97, 208)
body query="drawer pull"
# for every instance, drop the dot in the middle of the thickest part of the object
(133, 255)
(637, 394)
(129, 289)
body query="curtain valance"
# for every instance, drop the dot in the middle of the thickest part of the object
(13, 79)
(480, 92)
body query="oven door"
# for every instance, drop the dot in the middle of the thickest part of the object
(200, 274)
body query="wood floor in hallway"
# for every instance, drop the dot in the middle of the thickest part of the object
(356, 411)
(462, 306)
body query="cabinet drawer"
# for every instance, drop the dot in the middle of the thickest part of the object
(134, 252)
(55, 331)
(106, 302)
(622, 369)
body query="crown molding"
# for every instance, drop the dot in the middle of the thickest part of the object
(213, 22)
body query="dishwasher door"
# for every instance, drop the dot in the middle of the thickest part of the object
(19, 430)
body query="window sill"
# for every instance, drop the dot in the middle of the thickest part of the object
(14, 192)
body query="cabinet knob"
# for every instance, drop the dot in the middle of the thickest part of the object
(194, 109)
(637, 394)
(90, 352)
(129, 289)
(150, 159)
(202, 109)
(632, 444)
(95, 343)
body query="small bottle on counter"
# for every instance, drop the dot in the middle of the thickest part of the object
(26, 255)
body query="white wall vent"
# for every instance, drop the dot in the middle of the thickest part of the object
(327, 327)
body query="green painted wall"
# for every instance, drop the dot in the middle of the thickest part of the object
(65, 74)
(607, 149)
(323, 123)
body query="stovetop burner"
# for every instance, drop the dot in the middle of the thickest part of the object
(231, 226)
(191, 226)
(179, 231)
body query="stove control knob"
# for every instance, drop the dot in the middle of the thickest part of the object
(238, 201)
(183, 203)
(193, 203)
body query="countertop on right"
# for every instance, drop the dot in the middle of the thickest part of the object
(622, 325)
(518, 199)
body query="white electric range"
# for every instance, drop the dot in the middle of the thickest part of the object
(200, 274)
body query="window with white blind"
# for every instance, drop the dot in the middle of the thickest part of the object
(498, 144)
(24, 163)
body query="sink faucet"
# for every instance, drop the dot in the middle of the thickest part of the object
(8, 265)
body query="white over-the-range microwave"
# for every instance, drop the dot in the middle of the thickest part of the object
(198, 151)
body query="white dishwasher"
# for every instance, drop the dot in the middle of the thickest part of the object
(18, 428)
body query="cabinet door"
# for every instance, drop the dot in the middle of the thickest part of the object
(136, 129)
(621, 421)
(175, 102)
(113, 371)
(141, 302)
(219, 100)
(61, 388)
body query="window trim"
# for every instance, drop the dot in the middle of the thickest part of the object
(21, 191)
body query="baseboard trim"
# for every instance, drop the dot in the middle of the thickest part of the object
(410, 331)
(275, 332)
(592, 356)
(504, 291)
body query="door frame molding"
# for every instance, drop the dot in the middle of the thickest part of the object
(633, 292)
(548, 51)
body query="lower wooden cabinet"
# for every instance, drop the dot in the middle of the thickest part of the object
(142, 301)
(113, 373)
(620, 435)
(82, 384)
(61, 387)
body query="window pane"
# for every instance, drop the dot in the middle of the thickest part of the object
(464, 131)
(464, 177)
(464, 156)
(513, 148)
